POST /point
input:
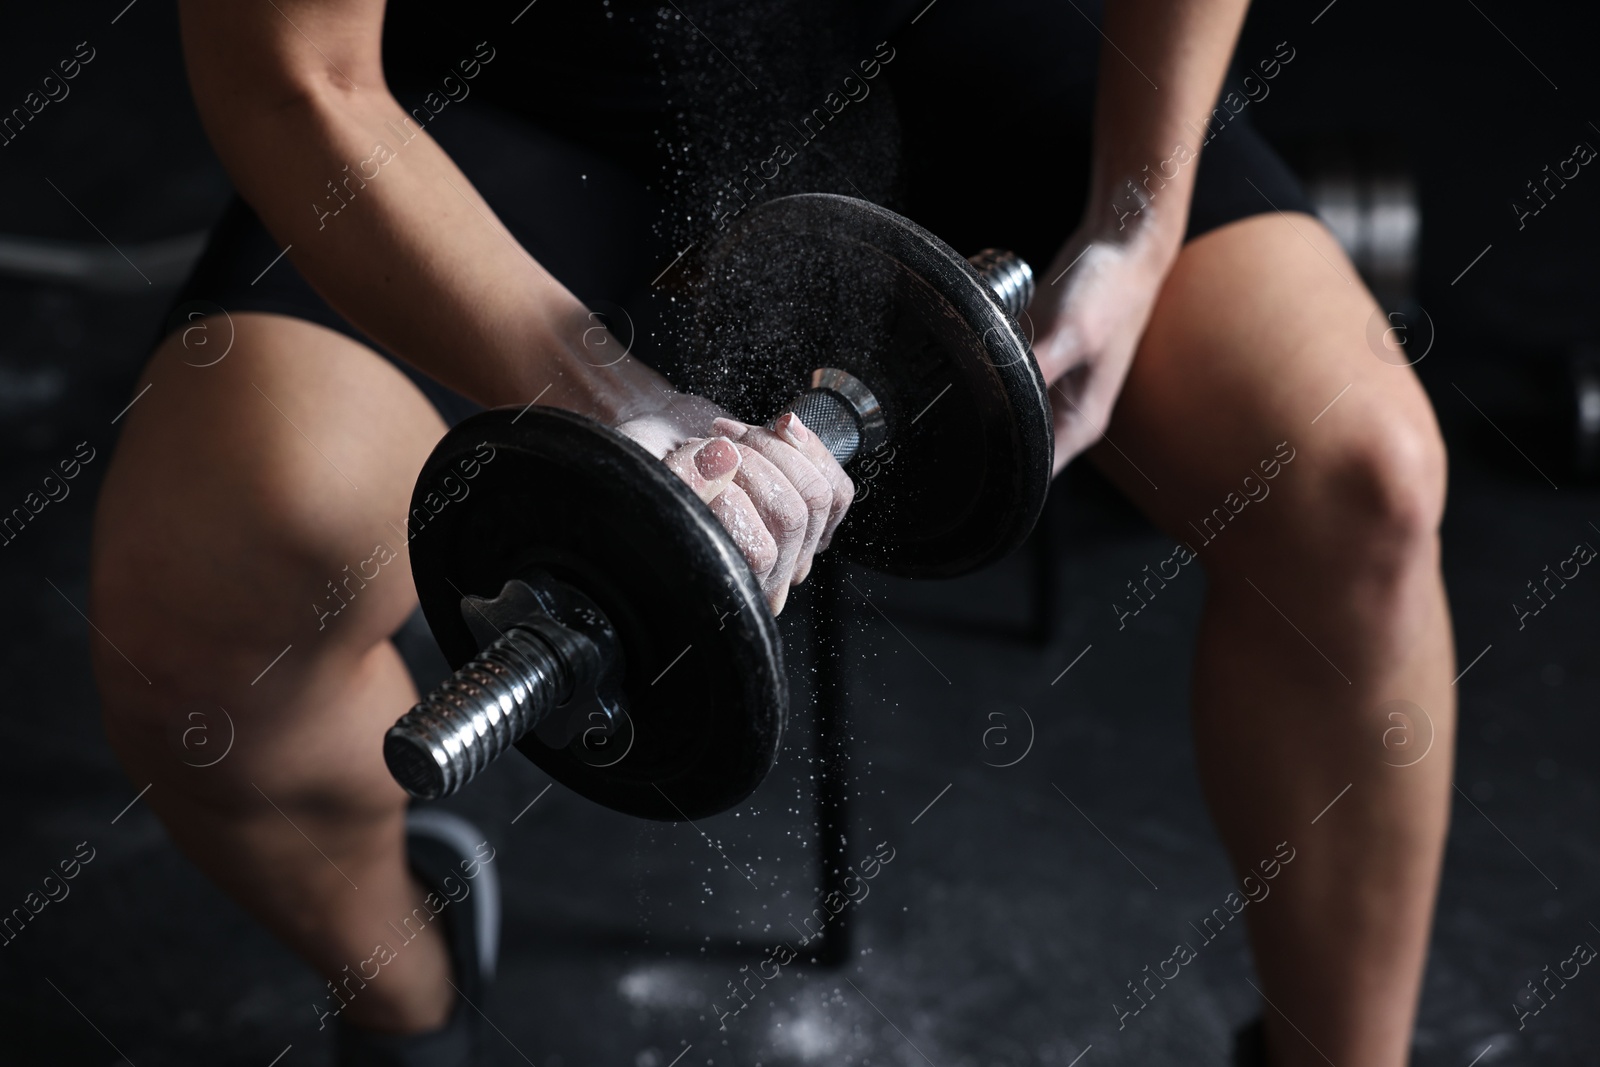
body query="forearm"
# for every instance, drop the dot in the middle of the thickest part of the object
(1157, 87)
(389, 231)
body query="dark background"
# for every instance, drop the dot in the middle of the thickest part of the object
(1006, 925)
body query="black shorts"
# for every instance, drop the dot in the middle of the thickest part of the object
(990, 103)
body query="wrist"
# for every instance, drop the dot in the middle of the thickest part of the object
(579, 365)
(1133, 217)
(669, 421)
(1142, 207)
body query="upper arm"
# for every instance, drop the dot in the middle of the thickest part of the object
(279, 50)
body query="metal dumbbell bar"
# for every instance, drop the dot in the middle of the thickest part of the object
(550, 673)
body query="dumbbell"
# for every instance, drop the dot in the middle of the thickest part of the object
(1365, 190)
(598, 616)
(1582, 400)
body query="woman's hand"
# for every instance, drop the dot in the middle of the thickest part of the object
(779, 492)
(1088, 321)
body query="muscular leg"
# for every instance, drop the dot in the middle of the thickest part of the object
(238, 492)
(1324, 602)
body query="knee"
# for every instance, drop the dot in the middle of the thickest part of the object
(1381, 494)
(1358, 512)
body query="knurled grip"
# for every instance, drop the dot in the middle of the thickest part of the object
(829, 416)
(842, 412)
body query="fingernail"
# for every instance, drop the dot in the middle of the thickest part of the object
(717, 458)
(791, 427)
(730, 427)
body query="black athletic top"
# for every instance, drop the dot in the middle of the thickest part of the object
(609, 134)
(639, 79)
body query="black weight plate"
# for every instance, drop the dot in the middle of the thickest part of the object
(553, 491)
(821, 280)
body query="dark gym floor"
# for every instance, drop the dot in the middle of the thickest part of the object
(1020, 899)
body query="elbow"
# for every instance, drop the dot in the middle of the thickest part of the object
(249, 120)
(237, 104)
(324, 89)
(240, 92)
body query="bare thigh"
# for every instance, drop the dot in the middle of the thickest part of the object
(248, 546)
(1257, 350)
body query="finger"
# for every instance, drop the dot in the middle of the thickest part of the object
(1081, 421)
(1059, 346)
(706, 466)
(1068, 444)
(738, 515)
(780, 507)
(800, 466)
(782, 512)
(797, 434)
(710, 469)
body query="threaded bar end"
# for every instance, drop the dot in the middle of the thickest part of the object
(1009, 275)
(483, 709)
